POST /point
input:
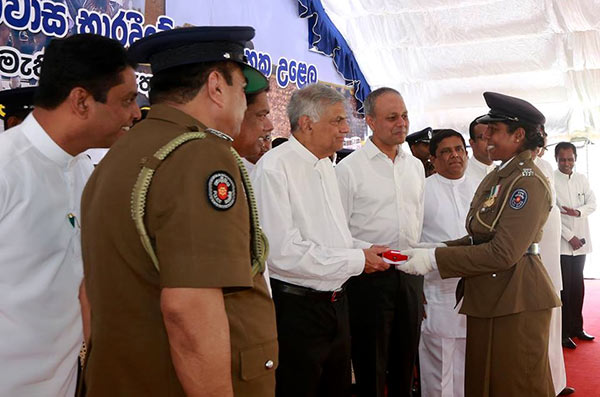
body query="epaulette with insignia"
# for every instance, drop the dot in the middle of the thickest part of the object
(527, 172)
(220, 134)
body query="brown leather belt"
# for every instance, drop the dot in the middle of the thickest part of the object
(287, 288)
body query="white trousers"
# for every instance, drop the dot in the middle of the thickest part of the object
(555, 352)
(442, 363)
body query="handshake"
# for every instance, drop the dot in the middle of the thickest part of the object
(418, 260)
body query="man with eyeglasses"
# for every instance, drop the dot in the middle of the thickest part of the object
(312, 252)
(264, 144)
(480, 163)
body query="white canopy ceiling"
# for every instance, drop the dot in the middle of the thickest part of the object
(443, 54)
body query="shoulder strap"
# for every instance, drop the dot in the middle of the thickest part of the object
(259, 242)
(142, 185)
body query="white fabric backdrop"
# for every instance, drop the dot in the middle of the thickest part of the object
(443, 54)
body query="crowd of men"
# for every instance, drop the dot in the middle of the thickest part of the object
(210, 265)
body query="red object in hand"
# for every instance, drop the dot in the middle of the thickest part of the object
(394, 257)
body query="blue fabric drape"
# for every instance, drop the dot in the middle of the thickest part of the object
(324, 36)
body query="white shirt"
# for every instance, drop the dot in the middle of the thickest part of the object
(249, 166)
(40, 262)
(447, 203)
(383, 200)
(574, 191)
(477, 170)
(301, 214)
(550, 242)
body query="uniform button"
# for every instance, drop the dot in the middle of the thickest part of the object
(269, 364)
(494, 275)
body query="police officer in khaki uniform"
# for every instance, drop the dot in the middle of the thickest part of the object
(418, 142)
(15, 105)
(172, 248)
(507, 294)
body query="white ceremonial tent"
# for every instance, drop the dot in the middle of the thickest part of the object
(442, 55)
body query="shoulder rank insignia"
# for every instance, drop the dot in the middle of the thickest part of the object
(518, 199)
(492, 197)
(221, 190)
(220, 134)
(527, 172)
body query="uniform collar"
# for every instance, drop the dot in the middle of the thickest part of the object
(371, 150)
(40, 139)
(520, 161)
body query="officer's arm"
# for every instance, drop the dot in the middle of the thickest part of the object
(198, 332)
(514, 232)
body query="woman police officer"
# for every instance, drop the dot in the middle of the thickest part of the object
(507, 294)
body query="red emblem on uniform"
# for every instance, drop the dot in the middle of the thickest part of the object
(222, 191)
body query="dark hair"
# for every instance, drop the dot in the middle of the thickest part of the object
(472, 126)
(440, 135)
(564, 146)
(180, 84)
(20, 114)
(278, 141)
(533, 134)
(89, 61)
(369, 104)
(250, 98)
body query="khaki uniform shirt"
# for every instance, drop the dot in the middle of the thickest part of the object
(198, 245)
(499, 278)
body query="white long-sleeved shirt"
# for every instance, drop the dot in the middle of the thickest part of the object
(383, 200)
(574, 191)
(550, 242)
(446, 206)
(477, 170)
(249, 166)
(40, 262)
(301, 214)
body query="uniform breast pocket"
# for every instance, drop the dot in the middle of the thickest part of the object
(580, 198)
(259, 360)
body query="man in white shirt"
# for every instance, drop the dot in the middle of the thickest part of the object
(86, 98)
(576, 201)
(382, 193)
(480, 163)
(256, 128)
(312, 253)
(550, 254)
(443, 334)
